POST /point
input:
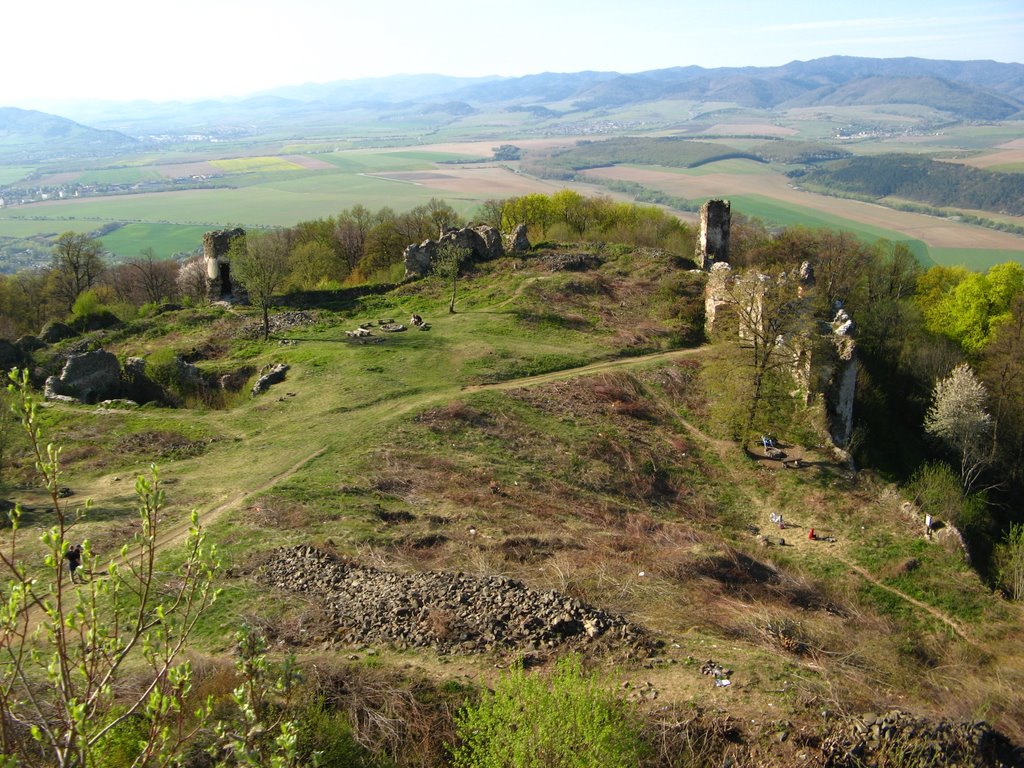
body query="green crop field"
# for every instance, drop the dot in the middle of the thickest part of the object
(165, 239)
(734, 165)
(12, 173)
(978, 259)
(11, 227)
(119, 176)
(781, 214)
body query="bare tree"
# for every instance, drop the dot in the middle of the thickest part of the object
(261, 263)
(77, 265)
(957, 416)
(155, 276)
(192, 281)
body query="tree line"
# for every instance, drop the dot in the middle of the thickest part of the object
(355, 247)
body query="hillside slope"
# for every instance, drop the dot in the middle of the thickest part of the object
(557, 436)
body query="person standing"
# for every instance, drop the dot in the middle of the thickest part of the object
(74, 558)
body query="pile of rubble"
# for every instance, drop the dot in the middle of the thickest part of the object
(282, 321)
(449, 612)
(909, 740)
(571, 262)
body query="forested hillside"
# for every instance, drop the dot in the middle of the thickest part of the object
(913, 177)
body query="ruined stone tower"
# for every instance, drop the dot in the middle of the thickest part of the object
(216, 247)
(713, 244)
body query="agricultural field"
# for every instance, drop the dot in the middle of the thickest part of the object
(174, 198)
(773, 197)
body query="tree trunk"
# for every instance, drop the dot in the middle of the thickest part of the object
(266, 323)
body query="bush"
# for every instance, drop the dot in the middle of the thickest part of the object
(120, 746)
(329, 734)
(1009, 563)
(937, 490)
(91, 313)
(529, 721)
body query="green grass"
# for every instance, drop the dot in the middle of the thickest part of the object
(735, 165)
(12, 173)
(30, 227)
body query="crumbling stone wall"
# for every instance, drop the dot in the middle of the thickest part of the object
(713, 243)
(828, 368)
(483, 242)
(216, 250)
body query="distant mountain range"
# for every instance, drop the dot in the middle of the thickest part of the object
(969, 90)
(28, 132)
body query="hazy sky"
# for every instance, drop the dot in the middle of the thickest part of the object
(188, 49)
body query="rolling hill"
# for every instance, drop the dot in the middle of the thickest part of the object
(971, 90)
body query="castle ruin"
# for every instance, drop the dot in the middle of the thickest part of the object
(216, 250)
(713, 243)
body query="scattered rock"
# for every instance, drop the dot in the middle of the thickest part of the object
(449, 612)
(274, 375)
(874, 739)
(88, 377)
(571, 262)
(280, 322)
(53, 332)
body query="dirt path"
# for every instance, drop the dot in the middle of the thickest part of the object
(724, 446)
(933, 611)
(178, 532)
(586, 370)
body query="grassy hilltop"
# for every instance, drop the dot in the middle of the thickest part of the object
(561, 429)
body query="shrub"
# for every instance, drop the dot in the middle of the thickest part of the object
(1009, 562)
(529, 721)
(88, 303)
(328, 734)
(119, 747)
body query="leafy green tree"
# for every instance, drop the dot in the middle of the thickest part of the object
(449, 261)
(68, 646)
(311, 263)
(967, 306)
(260, 262)
(768, 313)
(1002, 370)
(574, 210)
